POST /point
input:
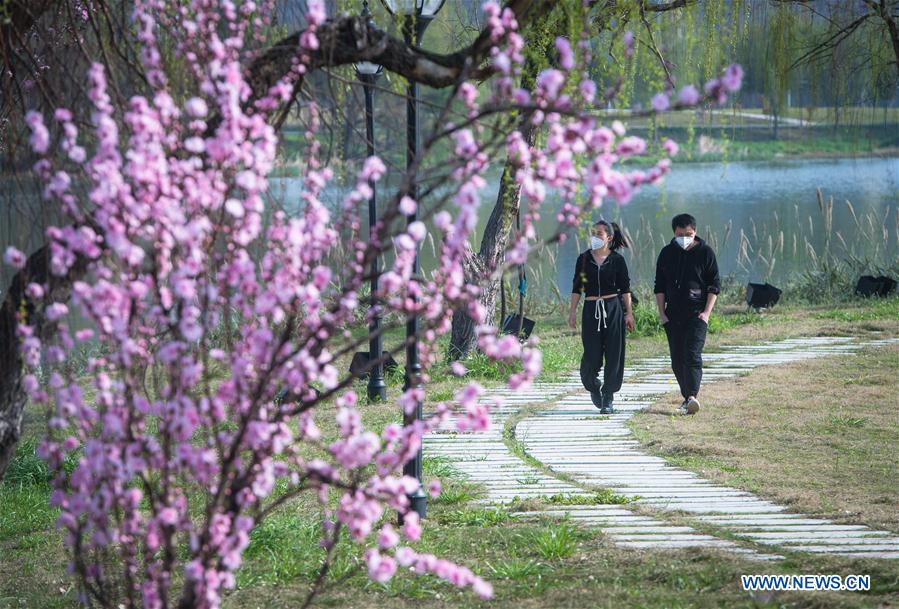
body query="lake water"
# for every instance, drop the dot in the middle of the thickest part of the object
(766, 200)
(773, 204)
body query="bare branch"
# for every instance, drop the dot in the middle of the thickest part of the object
(668, 6)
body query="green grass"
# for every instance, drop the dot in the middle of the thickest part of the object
(439, 467)
(25, 493)
(555, 541)
(528, 570)
(603, 497)
(456, 493)
(281, 550)
(484, 517)
(25, 509)
(482, 367)
(26, 468)
(847, 421)
(872, 309)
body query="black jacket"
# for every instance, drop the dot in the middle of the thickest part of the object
(611, 278)
(687, 277)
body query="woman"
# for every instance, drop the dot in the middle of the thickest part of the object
(601, 273)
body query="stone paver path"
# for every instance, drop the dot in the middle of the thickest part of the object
(588, 450)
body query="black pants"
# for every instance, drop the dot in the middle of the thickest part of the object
(686, 338)
(603, 343)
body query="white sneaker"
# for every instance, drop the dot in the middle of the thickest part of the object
(690, 406)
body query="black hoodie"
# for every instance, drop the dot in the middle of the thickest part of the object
(610, 278)
(687, 277)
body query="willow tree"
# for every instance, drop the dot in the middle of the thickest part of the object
(841, 46)
(622, 63)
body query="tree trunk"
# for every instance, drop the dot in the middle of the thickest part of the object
(12, 393)
(463, 339)
(496, 234)
(776, 122)
(493, 247)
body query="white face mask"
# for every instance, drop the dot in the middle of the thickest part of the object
(684, 242)
(596, 243)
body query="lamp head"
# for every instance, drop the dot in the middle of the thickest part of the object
(366, 68)
(414, 8)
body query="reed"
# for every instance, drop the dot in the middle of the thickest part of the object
(813, 257)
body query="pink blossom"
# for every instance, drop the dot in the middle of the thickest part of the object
(308, 429)
(671, 147)
(14, 258)
(434, 488)
(733, 78)
(387, 538)
(407, 206)
(482, 588)
(235, 208)
(417, 230)
(195, 145)
(317, 14)
(628, 40)
(196, 107)
(631, 146)
(34, 291)
(56, 310)
(391, 433)
(380, 568)
(30, 383)
(688, 96)
(168, 516)
(501, 63)
(660, 102)
(372, 170)
(549, 83)
(475, 418)
(405, 556)
(174, 223)
(468, 93)
(587, 89)
(411, 526)
(40, 137)
(443, 220)
(566, 55)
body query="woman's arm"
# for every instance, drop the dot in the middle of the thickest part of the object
(624, 283)
(628, 313)
(577, 286)
(572, 310)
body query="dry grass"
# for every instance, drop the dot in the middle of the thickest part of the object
(819, 436)
(782, 323)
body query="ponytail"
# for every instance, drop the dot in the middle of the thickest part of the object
(617, 240)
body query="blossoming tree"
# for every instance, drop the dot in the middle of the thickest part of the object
(205, 402)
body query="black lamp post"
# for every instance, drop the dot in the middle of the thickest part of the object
(417, 15)
(368, 73)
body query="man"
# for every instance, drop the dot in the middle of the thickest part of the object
(686, 288)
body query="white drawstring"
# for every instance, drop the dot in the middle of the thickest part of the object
(600, 303)
(599, 313)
